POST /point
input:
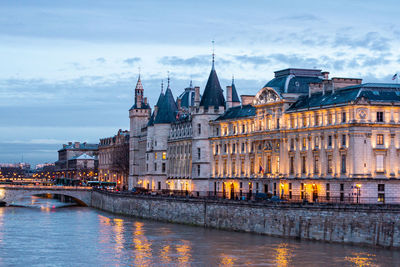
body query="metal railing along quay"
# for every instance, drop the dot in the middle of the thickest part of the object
(255, 197)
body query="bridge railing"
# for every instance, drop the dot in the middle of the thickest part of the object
(45, 187)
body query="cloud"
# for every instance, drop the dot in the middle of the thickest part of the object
(36, 142)
(371, 40)
(132, 60)
(295, 60)
(101, 60)
(200, 60)
(256, 60)
(302, 17)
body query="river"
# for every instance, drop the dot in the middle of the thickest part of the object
(48, 233)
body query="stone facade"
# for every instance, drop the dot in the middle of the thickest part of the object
(363, 225)
(303, 136)
(114, 159)
(77, 161)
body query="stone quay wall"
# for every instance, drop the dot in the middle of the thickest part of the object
(363, 225)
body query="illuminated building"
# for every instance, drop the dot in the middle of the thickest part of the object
(303, 136)
(114, 159)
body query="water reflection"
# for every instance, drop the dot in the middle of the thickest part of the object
(361, 259)
(142, 246)
(87, 237)
(184, 250)
(283, 255)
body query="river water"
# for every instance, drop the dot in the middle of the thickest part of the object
(48, 233)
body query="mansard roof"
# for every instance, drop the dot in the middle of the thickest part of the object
(241, 111)
(213, 95)
(167, 111)
(377, 92)
(294, 80)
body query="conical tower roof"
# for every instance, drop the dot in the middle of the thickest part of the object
(213, 95)
(235, 97)
(167, 110)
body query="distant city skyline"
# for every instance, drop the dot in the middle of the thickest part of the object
(69, 69)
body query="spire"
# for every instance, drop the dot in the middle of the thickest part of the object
(213, 54)
(162, 86)
(213, 95)
(191, 82)
(168, 81)
(235, 97)
(233, 79)
(167, 109)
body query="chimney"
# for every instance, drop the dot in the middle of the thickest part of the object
(229, 96)
(325, 74)
(197, 96)
(179, 103)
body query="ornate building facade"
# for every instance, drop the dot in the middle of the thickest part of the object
(114, 159)
(303, 136)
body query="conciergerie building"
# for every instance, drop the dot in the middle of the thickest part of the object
(303, 136)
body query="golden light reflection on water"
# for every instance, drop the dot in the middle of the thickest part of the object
(283, 255)
(165, 254)
(184, 252)
(360, 259)
(143, 253)
(104, 223)
(119, 235)
(227, 260)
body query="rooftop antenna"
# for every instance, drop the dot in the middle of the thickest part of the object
(191, 83)
(162, 86)
(233, 79)
(213, 54)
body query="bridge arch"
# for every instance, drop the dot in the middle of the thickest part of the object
(10, 194)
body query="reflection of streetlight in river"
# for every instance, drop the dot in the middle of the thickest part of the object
(358, 186)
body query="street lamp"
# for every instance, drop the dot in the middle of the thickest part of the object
(358, 186)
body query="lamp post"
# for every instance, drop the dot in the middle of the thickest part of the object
(358, 186)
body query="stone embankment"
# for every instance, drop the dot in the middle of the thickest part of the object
(350, 224)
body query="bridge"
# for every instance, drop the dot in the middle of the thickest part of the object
(11, 193)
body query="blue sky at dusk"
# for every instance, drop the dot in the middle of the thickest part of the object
(68, 68)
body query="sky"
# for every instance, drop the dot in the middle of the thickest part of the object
(68, 69)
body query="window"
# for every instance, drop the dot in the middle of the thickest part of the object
(242, 147)
(216, 168)
(225, 148)
(343, 168)
(328, 194)
(343, 117)
(216, 149)
(292, 122)
(199, 128)
(234, 129)
(198, 170)
(224, 166)
(234, 167)
(379, 116)
(159, 185)
(343, 140)
(291, 144)
(291, 165)
(329, 169)
(233, 148)
(379, 163)
(381, 187)
(155, 143)
(379, 139)
(242, 167)
(277, 123)
(243, 128)
(329, 118)
(330, 141)
(198, 153)
(303, 165)
(316, 164)
(316, 142)
(316, 118)
(252, 166)
(164, 155)
(341, 187)
(163, 167)
(147, 156)
(304, 121)
(304, 142)
(217, 131)
(147, 167)
(381, 193)
(269, 164)
(155, 155)
(155, 166)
